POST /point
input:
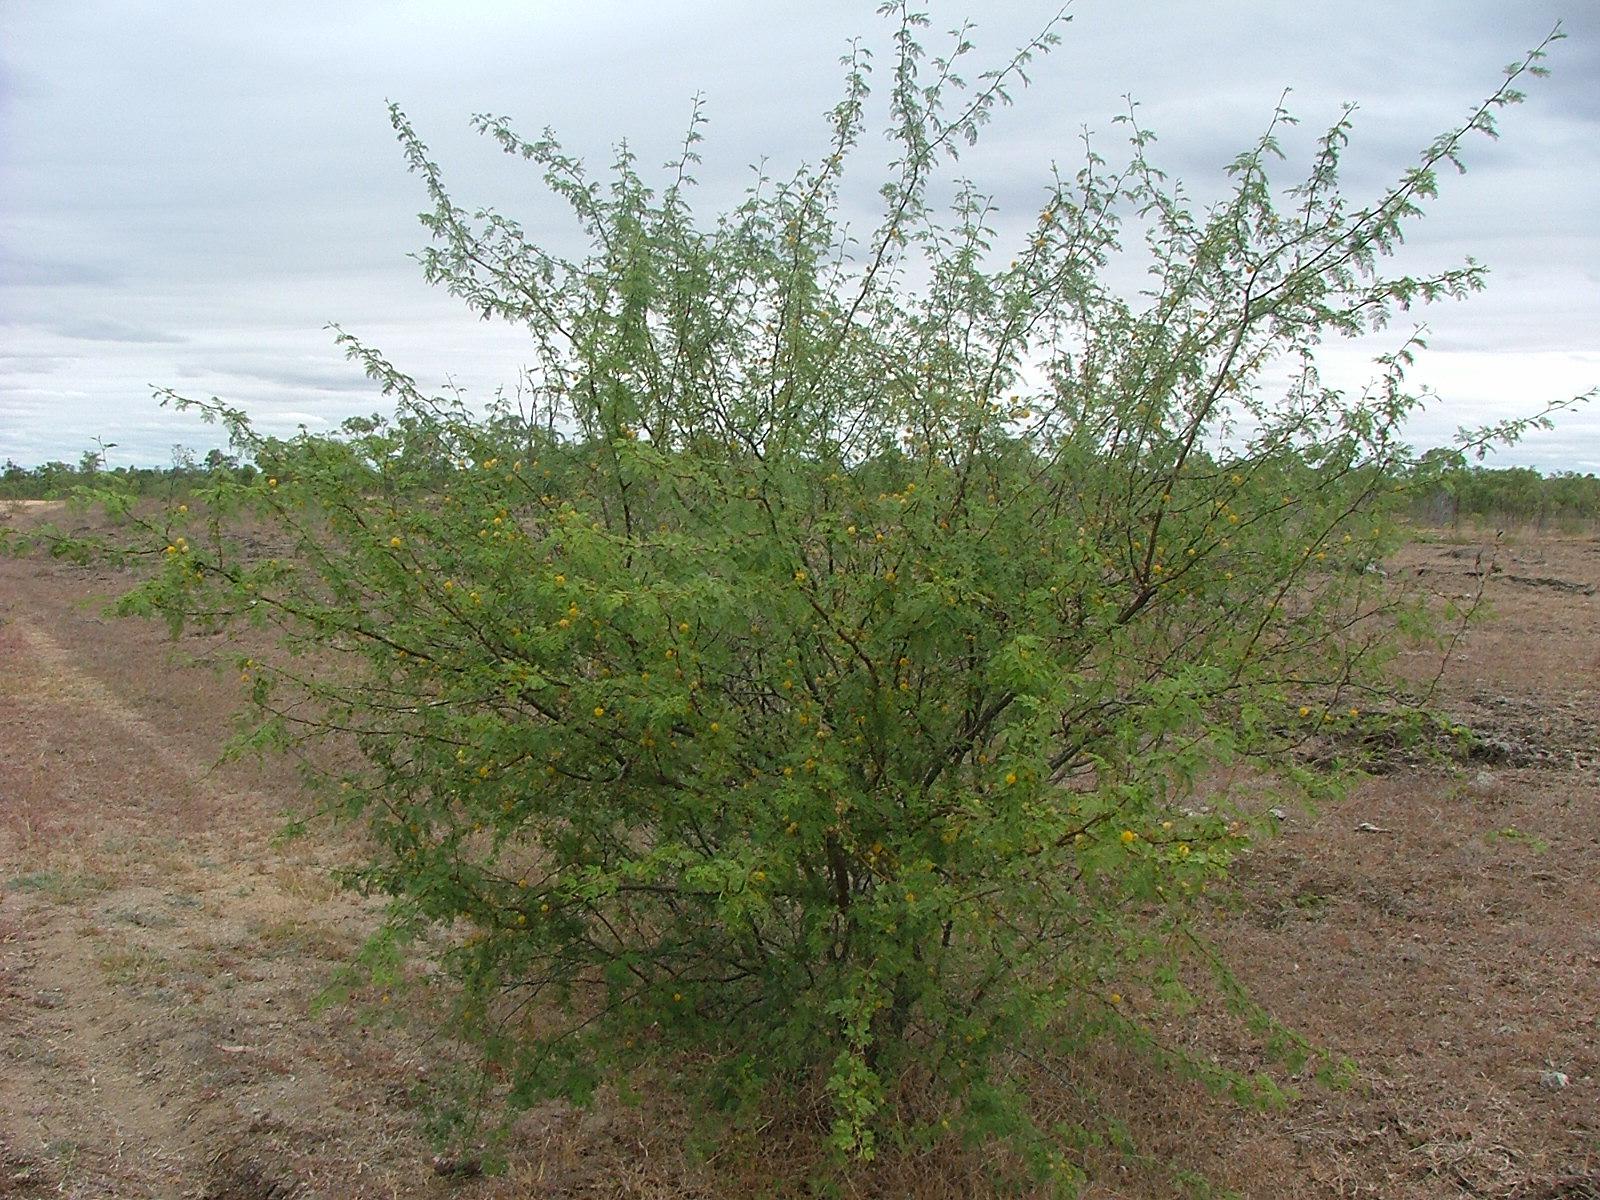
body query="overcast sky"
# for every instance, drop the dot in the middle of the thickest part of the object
(191, 190)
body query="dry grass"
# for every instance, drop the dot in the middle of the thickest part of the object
(158, 955)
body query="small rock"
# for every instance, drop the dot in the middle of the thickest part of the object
(1369, 827)
(1278, 814)
(456, 1168)
(144, 918)
(1553, 1081)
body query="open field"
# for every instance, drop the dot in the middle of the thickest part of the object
(158, 954)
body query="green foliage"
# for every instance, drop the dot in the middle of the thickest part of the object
(811, 687)
(1512, 834)
(1507, 495)
(61, 481)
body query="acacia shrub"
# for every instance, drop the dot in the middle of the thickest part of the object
(810, 686)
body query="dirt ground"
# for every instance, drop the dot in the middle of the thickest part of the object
(158, 953)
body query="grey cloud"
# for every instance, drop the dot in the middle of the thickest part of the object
(292, 420)
(246, 188)
(109, 329)
(295, 378)
(18, 270)
(33, 364)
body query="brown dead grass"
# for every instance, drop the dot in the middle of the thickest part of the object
(158, 955)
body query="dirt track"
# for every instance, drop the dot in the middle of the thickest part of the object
(158, 953)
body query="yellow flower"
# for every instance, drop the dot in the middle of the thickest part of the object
(1129, 837)
(395, 542)
(1115, 997)
(599, 710)
(1011, 776)
(1305, 711)
(272, 482)
(716, 727)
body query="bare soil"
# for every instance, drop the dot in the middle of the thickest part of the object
(159, 952)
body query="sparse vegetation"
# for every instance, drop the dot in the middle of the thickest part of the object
(65, 887)
(1433, 933)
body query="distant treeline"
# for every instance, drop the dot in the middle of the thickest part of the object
(56, 480)
(1508, 496)
(1504, 495)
